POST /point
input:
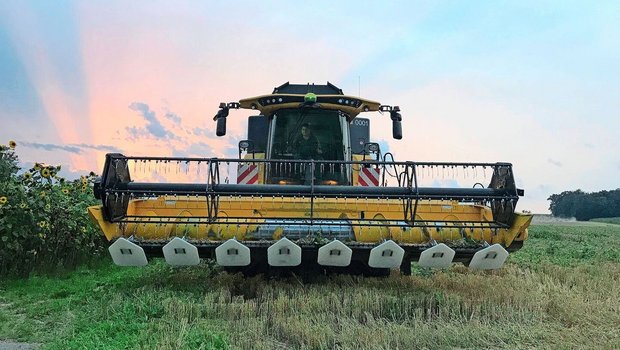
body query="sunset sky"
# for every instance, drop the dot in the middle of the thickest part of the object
(534, 83)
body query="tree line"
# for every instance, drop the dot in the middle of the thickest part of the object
(585, 206)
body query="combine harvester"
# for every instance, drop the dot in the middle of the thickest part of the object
(309, 192)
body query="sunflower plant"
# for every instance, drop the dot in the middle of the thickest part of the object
(43, 220)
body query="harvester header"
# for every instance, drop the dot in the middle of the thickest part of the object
(309, 192)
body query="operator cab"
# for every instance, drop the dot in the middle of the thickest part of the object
(303, 124)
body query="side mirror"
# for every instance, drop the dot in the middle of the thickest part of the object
(220, 128)
(220, 118)
(397, 128)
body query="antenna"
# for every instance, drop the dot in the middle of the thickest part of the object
(359, 86)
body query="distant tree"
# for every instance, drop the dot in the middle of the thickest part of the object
(585, 206)
(564, 204)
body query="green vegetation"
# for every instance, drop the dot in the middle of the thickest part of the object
(615, 221)
(570, 245)
(562, 290)
(43, 222)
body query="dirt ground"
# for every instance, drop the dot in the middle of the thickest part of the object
(546, 219)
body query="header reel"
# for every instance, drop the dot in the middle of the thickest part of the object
(116, 188)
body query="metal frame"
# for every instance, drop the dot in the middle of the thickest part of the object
(116, 189)
(206, 249)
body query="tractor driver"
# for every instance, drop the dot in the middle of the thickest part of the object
(307, 145)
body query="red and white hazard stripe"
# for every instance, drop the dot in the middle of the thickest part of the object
(368, 177)
(247, 174)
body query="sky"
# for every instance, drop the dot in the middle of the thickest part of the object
(533, 83)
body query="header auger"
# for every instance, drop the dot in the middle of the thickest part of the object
(309, 192)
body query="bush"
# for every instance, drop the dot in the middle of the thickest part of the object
(44, 225)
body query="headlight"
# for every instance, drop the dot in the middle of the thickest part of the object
(373, 147)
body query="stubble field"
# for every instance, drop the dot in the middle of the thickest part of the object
(562, 290)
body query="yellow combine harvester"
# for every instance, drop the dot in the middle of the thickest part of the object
(309, 192)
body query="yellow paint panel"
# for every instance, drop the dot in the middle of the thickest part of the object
(335, 209)
(365, 106)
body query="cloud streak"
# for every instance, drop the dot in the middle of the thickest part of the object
(173, 117)
(106, 148)
(71, 148)
(52, 147)
(153, 125)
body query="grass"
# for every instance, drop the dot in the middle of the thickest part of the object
(562, 290)
(615, 221)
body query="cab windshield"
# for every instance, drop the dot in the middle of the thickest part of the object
(308, 134)
(304, 134)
